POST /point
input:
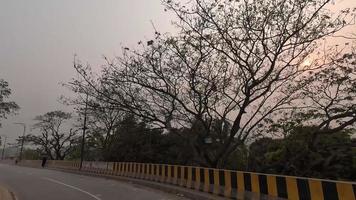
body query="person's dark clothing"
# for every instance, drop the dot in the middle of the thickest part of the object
(44, 159)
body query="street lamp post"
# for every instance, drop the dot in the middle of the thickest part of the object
(3, 150)
(83, 136)
(23, 138)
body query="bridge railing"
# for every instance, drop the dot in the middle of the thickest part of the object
(227, 183)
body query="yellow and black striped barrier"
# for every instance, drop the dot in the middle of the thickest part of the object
(226, 183)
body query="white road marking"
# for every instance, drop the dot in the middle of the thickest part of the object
(73, 187)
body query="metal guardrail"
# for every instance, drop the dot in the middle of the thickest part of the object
(226, 183)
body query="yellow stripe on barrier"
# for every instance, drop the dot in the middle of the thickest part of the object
(227, 189)
(157, 173)
(316, 191)
(240, 185)
(345, 191)
(292, 188)
(255, 183)
(216, 181)
(120, 169)
(206, 180)
(126, 168)
(197, 178)
(181, 181)
(272, 186)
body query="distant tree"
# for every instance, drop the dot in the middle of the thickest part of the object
(134, 141)
(102, 120)
(331, 157)
(53, 140)
(31, 154)
(6, 107)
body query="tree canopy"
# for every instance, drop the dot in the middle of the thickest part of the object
(52, 140)
(237, 62)
(6, 107)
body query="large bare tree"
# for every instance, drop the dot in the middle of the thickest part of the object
(232, 61)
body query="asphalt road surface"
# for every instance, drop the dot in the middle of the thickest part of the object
(43, 184)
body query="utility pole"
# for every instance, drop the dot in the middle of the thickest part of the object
(23, 138)
(83, 137)
(3, 150)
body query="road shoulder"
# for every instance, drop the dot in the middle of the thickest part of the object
(5, 194)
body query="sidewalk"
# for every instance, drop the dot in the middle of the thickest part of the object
(5, 194)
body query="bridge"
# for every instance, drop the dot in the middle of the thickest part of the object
(159, 181)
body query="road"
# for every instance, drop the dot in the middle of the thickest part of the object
(43, 184)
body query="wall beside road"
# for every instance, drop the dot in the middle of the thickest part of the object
(226, 183)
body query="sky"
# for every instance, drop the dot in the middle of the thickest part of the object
(39, 38)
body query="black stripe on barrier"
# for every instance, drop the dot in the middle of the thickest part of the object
(354, 187)
(233, 180)
(221, 177)
(262, 180)
(165, 170)
(329, 190)
(144, 169)
(247, 181)
(303, 189)
(281, 187)
(160, 170)
(185, 173)
(154, 169)
(179, 176)
(211, 176)
(172, 171)
(233, 184)
(202, 175)
(193, 174)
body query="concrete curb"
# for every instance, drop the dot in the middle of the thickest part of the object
(5, 194)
